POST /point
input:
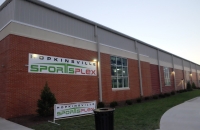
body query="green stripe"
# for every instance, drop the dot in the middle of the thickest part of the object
(62, 64)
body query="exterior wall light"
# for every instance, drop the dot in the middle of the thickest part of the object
(34, 55)
(94, 60)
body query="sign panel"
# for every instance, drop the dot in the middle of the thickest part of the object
(58, 65)
(74, 109)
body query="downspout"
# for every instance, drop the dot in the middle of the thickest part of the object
(139, 69)
(99, 63)
(184, 74)
(197, 75)
(174, 73)
(159, 70)
(190, 73)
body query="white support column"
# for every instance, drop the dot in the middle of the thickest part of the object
(99, 64)
(174, 73)
(159, 70)
(184, 75)
(139, 68)
(197, 76)
(190, 73)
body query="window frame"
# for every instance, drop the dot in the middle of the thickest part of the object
(122, 76)
(167, 76)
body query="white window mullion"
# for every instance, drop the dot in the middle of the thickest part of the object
(167, 76)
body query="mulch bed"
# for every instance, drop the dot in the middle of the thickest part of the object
(30, 120)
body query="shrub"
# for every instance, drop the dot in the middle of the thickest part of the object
(193, 85)
(155, 96)
(100, 105)
(172, 93)
(189, 87)
(184, 90)
(139, 99)
(166, 94)
(128, 102)
(146, 98)
(181, 91)
(46, 102)
(113, 104)
(161, 95)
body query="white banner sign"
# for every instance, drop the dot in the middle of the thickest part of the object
(74, 109)
(58, 65)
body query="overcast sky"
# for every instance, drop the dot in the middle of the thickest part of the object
(172, 25)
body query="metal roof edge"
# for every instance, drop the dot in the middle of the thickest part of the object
(4, 4)
(51, 7)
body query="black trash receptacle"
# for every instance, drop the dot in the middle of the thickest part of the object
(104, 118)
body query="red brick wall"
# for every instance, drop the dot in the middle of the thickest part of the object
(146, 79)
(194, 78)
(166, 89)
(155, 84)
(4, 55)
(121, 95)
(179, 77)
(23, 88)
(20, 90)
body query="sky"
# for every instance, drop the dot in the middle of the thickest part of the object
(171, 25)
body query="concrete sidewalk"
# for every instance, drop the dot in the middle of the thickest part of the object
(185, 116)
(8, 125)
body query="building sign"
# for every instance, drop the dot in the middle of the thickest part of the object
(74, 109)
(58, 65)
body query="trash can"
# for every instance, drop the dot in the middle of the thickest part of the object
(104, 118)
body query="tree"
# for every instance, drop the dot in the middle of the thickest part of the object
(193, 85)
(189, 87)
(46, 102)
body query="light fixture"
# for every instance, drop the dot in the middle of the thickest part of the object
(34, 55)
(191, 73)
(94, 60)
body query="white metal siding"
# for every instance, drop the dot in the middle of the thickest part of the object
(186, 64)
(193, 66)
(149, 51)
(115, 40)
(7, 14)
(177, 61)
(165, 57)
(45, 18)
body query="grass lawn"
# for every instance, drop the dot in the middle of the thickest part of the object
(139, 116)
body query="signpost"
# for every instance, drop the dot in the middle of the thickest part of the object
(74, 109)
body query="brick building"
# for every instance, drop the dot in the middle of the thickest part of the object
(33, 32)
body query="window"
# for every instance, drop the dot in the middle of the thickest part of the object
(119, 72)
(167, 76)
